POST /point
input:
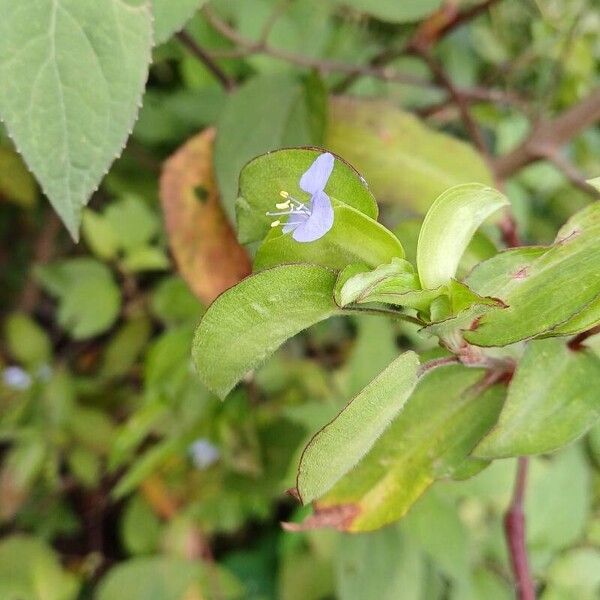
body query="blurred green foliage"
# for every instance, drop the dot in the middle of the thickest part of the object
(102, 492)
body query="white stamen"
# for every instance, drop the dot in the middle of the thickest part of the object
(283, 194)
(276, 223)
(282, 205)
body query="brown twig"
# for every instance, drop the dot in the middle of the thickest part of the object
(461, 102)
(228, 83)
(577, 343)
(572, 173)
(548, 135)
(437, 25)
(514, 527)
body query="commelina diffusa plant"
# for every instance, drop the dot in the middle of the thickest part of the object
(512, 376)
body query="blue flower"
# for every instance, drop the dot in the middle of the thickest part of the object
(203, 453)
(308, 222)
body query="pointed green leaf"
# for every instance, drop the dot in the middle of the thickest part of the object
(354, 237)
(265, 113)
(448, 228)
(263, 178)
(248, 322)
(548, 291)
(448, 413)
(339, 446)
(552, 400)
(357, 283)
(73, 74)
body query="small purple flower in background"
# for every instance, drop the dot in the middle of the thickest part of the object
(308, 222)
(16, 378)
(203, 454)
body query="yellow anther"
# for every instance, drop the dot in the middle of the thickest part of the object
(282, 205)
(275, 223)
(283, 194)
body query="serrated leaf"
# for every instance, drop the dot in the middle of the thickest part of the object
(405, 162)
(353, 238)
(171, 16)
(203, 242)
(448, 413)
(448, 228)
(540, 294)
(255, 317)
(339, 446)
(552, 400)
(264, 177)
(74, 72)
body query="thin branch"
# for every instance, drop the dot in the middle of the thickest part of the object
(572, 173)
(247, 46)
(547, 136)
(209, 62)
(436, 26)
(514, 528)
(463, 106)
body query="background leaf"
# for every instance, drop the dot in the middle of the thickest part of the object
(552, 400)
(266, 113)
(88, 60)
(404, 161)
(204, 245)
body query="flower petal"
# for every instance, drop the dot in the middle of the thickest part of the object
(293, 222)
(319, 222)
(316, 176)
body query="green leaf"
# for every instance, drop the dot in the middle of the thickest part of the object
(393, 11)
(448, 228)
(540, 295)
(89, 300)
(263, 178)
(29, 569)
(354, 237)
(405, 162)
(255, 317)
(99, 235)
(77, 70)
(132, 221)
(383, 565)
(125, 347)
(171, 16)
(26, 340)
(167, 578)
(446, 416)
(575, 574)
(395, 283)
(552, 400)
(261, 115)
(140, 527)
(16, 183)
(343, 442)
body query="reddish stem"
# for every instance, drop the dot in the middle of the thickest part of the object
(514, 527)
